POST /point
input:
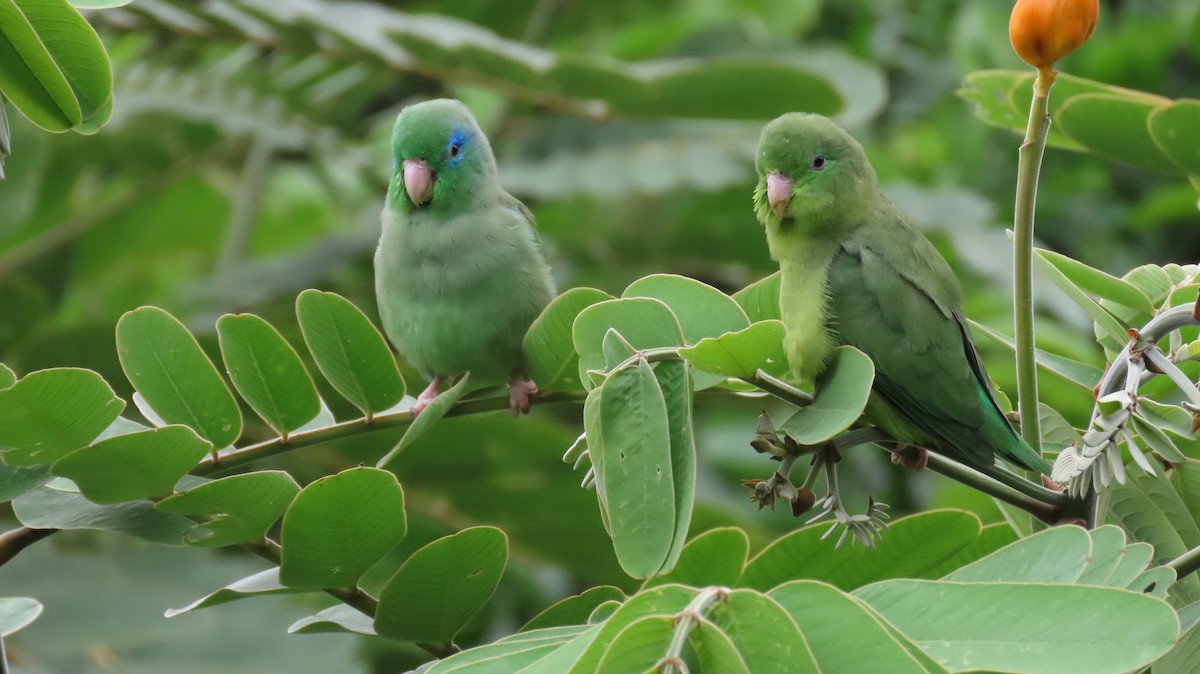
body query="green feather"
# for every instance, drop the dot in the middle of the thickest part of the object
(885, 290)
(459, 279)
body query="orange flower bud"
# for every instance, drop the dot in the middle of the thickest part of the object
(1044, 31)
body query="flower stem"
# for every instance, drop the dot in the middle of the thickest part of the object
(1029, 166)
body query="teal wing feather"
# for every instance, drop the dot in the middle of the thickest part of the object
(895, 298)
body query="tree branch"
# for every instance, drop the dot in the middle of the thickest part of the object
(1187, 563)
(1008, 487)
(14, 541)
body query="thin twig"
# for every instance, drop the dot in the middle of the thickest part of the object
(1029, 167)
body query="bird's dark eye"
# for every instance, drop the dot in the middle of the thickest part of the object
(818, 162)
(455, 149)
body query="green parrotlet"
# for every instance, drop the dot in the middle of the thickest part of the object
(856, 271)
(459, 273)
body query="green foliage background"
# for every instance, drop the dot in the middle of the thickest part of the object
(245, 163)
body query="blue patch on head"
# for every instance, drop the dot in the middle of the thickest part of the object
(459, 138)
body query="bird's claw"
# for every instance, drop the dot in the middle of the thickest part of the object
(427, 395)
(519, 390)
(912, 458)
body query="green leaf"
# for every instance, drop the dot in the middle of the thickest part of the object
(1004, 626)
(1083, 375)
(915, 546)
(1151, 511)
(349, 351)
(831, 621)
(1156, 440)
(1097, 282)
(743, 353)
(79, 55)
(574, 610)
(235, 509)
(260, 584)
(99, 4)
(1115, 126)
(16, 613)
(51, 507)
(433, 413)
(167, 366)
(29, 77)
(526, 652)
(715, 651)
(760, 300)
(674, 380)
(634, 468)
(715, 557)
(765, 635)
(17, 480)
(991, 538)
(1108, 329)
(49, 413)
(841, 395)
(548, 348)
(7, 376)
(1176, 130)
(1056, 555)
(638, 647)
(665, 599)
(268, 372)
(644, 322)
(338, 526)
(702, 310)
(339, 618)
(138, 465)
(442, 586)
(1108, 548)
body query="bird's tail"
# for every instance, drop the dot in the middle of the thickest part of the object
(1019, 452)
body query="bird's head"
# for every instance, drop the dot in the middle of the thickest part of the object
(811, 174)
(442, 160)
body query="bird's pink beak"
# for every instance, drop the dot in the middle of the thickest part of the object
(779, 192)
(418, 181)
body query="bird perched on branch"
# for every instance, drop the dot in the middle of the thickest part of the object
(459, 273)
(855, 271)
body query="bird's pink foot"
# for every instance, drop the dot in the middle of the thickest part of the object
(428, 395)
(912, 458)
(519, 390)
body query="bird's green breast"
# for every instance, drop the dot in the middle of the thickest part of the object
(804, 301)
(458, 294)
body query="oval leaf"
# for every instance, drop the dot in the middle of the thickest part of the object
(702, 310)
(29, 77)
(133, 466)
(742, 353)
(1003, 626)
(645, 323)
(638, 647)
(715, 557)
(843, 633)
(760, 300)
(50, 413)
(765, 635)
(235, 509)
(548, 348)
(17, 612)
(339, 526)
(635, 468)
(349, 351)
(49, 507)
(574, 610)
(268, 372)
(915, 546)
(1115, 126)
(442, 586)
(841, 395)
(1176, 130)
(167, 366)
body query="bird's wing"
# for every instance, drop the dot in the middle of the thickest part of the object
(512, 203)
(910, 326)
